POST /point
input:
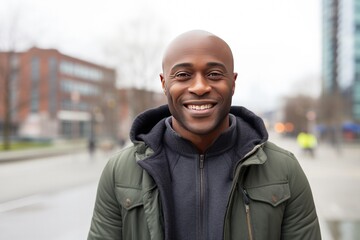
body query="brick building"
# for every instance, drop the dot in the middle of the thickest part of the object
(132, 102)
(53, 95)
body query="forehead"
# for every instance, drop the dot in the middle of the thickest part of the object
(197, 49)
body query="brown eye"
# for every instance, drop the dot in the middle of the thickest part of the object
(215, 76)
(182, 76)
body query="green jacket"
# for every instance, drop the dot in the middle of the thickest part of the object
(280, 200)
(270, 197)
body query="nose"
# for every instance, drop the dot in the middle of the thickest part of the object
(199, 85)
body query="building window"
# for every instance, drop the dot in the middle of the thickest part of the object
(35, 78)
(52, 85)
(66, 128)
(84, 129)
(81, 106)
(14, 75)
(356, 111)
(86, 89)
(81, 71)
(356, 91)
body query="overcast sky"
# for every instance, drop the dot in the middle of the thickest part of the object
(276, 43)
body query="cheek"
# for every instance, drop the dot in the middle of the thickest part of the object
(174, 91)
(226, 90)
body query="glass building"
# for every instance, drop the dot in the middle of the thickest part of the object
(341, 51)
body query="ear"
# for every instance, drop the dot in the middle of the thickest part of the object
(162, 79)
(233, 87)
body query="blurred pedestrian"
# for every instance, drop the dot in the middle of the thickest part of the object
(307, 143)
(200, 168)
(91, 147)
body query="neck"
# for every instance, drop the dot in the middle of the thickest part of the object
(201, 141)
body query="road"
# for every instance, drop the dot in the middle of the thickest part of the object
(24, 178)
(49, 198)
(53, 198)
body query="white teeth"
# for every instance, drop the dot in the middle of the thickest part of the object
(200, 107)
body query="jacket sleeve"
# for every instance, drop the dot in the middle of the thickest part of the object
(300, 219)
(106, 222)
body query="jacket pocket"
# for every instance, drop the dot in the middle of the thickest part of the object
(273, 194)
(134, 223)
(129, 198)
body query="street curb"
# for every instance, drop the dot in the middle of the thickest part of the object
(12, 156)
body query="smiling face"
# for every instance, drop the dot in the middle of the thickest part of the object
(199, 82)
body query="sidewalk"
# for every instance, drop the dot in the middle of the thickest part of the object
(58, 148)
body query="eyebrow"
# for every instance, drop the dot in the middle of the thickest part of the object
(215, 64)
(179, 65)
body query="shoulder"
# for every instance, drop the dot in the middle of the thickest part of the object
(279, 156)
(122, 167)
(271, 149)
(284, 163)
(280, 164)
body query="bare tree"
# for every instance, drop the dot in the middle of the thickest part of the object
(11, 40)
(136, 52)
(5, 77)
(296, 111)
(8, 71)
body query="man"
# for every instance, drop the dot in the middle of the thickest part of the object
(199, 168)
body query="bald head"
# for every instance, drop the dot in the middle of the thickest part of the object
(198, 80)
(197, 40)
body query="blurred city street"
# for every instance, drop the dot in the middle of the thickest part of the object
(72, 83)
(49, 198)
(52, 198)
(334, 176)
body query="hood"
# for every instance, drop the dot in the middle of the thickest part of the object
(149, 126)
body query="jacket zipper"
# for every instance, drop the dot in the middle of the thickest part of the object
(247, 211)
(202, 197)
(237, 173)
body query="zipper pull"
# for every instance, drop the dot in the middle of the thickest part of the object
(247, 208)
(246, 197)
(202, 157)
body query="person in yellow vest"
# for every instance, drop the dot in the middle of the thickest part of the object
(307, 142)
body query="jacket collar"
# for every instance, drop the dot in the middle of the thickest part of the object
(149, 126)
(181, 146)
